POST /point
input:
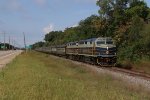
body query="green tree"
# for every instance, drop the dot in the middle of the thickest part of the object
(106, 7)
(38, 44)
(53, 36)
(139, 8)
(92, 26)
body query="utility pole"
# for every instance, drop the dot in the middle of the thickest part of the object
(9, 43)
(4, 41)
(12, 42)
(24, 37)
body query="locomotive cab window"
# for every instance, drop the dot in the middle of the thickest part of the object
(81, 42)
(100, 42)
(73, 43)
(109, 42)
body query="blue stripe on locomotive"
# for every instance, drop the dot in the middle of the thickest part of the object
(102, 49)
(102, 52)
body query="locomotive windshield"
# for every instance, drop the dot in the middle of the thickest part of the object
(109, 42)
(101, 42)
(105, 41)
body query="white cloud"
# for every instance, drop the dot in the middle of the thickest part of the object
(48, 28)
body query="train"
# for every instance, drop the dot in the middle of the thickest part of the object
(100, 51)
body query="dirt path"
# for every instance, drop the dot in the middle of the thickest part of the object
(7, 56)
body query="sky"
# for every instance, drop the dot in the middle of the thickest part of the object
(37, 17)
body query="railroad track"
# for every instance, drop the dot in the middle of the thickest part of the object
(124, 71)
(129, 72)
(132, 73)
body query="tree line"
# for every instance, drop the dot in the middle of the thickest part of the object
(126, 21)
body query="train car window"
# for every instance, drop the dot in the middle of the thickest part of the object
(85, 42)
(90, 42)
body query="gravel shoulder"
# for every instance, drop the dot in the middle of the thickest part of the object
(7, 56)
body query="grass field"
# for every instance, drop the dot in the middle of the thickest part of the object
(37, 76)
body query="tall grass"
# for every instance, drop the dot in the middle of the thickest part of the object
(37, 76)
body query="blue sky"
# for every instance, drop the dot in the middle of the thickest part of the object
(36, 17)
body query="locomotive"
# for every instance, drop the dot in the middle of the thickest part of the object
(100, 51)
